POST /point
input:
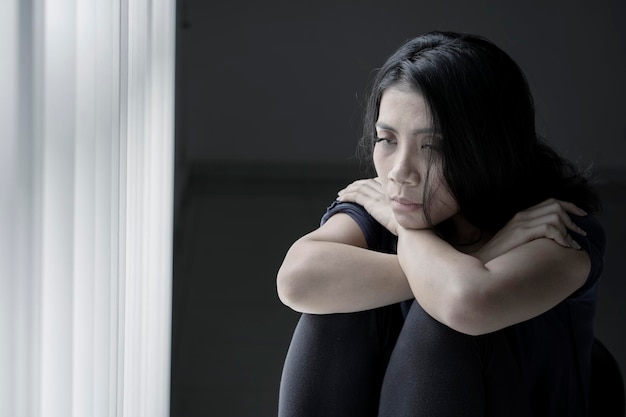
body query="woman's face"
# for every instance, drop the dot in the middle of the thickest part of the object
(405, 150)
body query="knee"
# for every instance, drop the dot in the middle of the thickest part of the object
(421, 328)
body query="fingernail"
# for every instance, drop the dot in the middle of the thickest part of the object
(576, 245)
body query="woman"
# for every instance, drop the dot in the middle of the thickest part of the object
(461, 280)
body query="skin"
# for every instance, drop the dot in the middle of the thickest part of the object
(405, 145)
(525, 269)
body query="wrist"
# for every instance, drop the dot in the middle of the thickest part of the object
(413, 234)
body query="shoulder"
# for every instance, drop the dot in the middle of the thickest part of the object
(357, 212)
(596, 238)
(376, 236)
(594, 243)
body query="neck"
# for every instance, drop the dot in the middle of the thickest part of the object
(469, 242)
(464, 236)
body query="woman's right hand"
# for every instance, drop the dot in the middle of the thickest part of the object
(369, 193)
(549, 219)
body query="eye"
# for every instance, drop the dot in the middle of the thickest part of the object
(386, 141)
(430, 146)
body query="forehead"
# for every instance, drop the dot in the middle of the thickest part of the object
(403, 108)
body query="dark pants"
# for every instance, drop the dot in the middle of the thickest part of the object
(376, 363)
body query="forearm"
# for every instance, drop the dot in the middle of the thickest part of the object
(327, 277)
(459, 291)
(445, 282)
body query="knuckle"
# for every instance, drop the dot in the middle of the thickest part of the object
(519, 217)
(554, 218)
(554, 205)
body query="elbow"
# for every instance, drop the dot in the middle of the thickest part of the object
(298, 282)
(466, 311)
(287, 288)
(292, 283)
(464, 319)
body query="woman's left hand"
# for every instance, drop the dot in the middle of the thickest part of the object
(369, 193)
(549, 219)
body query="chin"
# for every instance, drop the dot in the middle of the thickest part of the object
(412, 223)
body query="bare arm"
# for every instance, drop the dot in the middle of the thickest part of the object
(548, 219)
(527, 268)
(330, 271)
(474, 297)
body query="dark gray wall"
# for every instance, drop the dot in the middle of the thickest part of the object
(283, 80)
(268, 113)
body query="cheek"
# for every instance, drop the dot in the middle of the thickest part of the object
(379, 164)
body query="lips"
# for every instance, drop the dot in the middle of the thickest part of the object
(402, 200)
(404, 204)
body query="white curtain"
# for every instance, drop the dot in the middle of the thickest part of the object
(86, 185)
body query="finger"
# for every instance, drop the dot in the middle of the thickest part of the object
(572, 243)
(552, 207)
(357, 184)
(551, 220)
(558, 220)
(362, 194)
(550, 231)
(574, 227)
(572, 208)
(565, 205)
(367, 187)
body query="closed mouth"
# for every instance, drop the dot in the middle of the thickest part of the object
(404, 201)
(403, 204)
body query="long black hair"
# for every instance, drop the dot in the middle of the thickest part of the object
(493, 161)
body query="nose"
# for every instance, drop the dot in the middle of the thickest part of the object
(405, 169)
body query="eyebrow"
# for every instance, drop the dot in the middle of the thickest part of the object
(414, 132)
